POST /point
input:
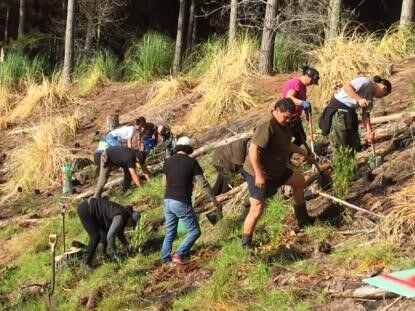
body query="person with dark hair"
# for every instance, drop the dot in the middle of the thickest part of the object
(124, 157)
(265, 168)
(148, 137)
(165, 133)
(104, 220)
(228, 161)
(339, 119)
(119, 135)
(296, 90)
(178, 174)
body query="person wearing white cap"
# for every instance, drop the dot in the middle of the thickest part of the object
(178, 174)
(104, 220)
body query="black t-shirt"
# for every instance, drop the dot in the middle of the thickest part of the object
(180, 170)
(124, 156)
(103, 211)
(149, 130)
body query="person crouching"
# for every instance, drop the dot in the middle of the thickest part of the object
(103, 220)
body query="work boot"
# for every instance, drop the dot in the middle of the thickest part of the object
(301, 214)
(89, 267)
(247, 242)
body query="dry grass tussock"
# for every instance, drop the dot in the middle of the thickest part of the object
(401, 219)
(45, 98)
(356, 54)
(168, 89)
(225, 84)
(37, 163)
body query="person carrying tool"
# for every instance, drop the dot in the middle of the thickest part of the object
(265, 168)
(339, 119)
(296, 90)
(165, 133)
(178, 174)
(124, 157)
(104, 220)
(119, 135)
(228, 160)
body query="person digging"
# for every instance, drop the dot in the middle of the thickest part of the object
(228, 161)
(104, 220)
(124, 157)
(339, 119)
(265, 168)
(178, 174)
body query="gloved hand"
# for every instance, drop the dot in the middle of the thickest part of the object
(306, 105)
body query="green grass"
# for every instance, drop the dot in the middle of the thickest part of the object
(18, 68)
(319, 232)
(95, 72)
(344, 166)
(149, 57)
(202, 55)
(289, 54)
(286, 300)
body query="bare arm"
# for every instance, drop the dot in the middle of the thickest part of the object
(134, 176)
(146, 171)
(253, 153)
(295, 149)
(130, 142)
(348, 88)
(292, 94)
(164, 180)
(370, 136)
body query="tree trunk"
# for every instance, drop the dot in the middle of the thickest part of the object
(22, 19)
(89, 35)
(233, 21)
(190, 25)
(6, 26)
(267, 43)
(113, 121)
(179, 38)
(69, 43)
(334, 19)
(407, 12)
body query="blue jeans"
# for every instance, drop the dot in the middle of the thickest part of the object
(112, 140)
(173, 211)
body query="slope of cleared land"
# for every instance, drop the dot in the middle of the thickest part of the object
(291, 270)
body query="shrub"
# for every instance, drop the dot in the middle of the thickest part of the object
(37, 163)
(288, 54)
(99, 70)
(225, 84)
(151, 56)
(344, 164)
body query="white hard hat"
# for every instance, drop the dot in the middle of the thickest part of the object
(184, 141)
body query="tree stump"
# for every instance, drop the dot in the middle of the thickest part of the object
(113, 121)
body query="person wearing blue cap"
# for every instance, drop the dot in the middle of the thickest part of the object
(104, 220)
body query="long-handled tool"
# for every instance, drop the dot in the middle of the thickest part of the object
(325, 181)
(50, 299)
(63, 212)
(376, 160)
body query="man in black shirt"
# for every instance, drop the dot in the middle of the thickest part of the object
(103, 220)
(179, 171)
(120, 156)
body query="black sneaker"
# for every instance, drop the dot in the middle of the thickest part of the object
(89, 267)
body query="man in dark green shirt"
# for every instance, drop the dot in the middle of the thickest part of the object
(265, 168)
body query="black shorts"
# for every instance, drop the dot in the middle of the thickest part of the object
(271, 185)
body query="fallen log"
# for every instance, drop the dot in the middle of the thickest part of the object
(366, 292)
(216, 144)
(393, 117)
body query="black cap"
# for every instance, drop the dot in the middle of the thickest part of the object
(312, 73)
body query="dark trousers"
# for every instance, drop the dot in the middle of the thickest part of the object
(222, 183)
(297, 129)
(104, 173)
(91, 226)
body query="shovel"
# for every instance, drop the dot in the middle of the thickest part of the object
(50, 299)
(215, 215)
(325, 180)
(376, 160)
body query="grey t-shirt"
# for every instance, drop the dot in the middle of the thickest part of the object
(363, 87)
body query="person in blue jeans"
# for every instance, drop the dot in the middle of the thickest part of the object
(178, 174)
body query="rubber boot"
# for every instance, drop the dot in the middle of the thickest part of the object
(247, 242)
(301, 214)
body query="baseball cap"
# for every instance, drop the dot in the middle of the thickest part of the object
(184, 141)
